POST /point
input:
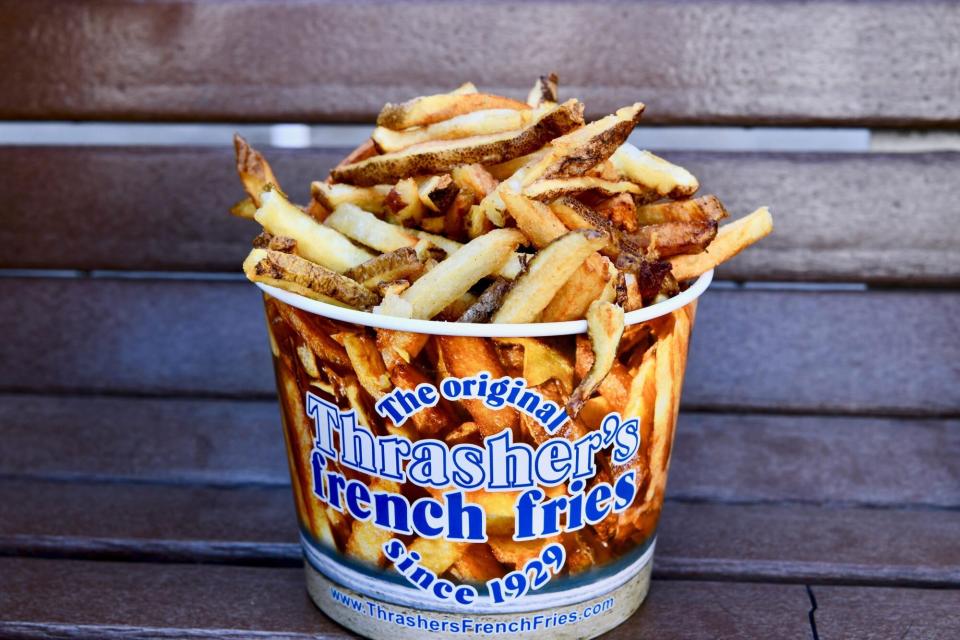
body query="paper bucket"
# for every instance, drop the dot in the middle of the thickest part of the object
(442, 490)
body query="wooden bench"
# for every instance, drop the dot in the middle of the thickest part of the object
(815, 486)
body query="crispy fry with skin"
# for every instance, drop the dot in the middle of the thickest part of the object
(437, 193)
(731, 239)
(493, 205)
(535, 219)
(628, 291)
(366, 149)
(550, 189)
(365, 228)
(293, 273)
(427, 110)
(332, 196)
(488, 302)
(655, 173)
(702, 209)
(615, 387)
(454, 276)
(244, 208)
(463, 357)
(475, 178)
(315, 242)
(440, 156)
(604, 326)
(477, 123)
(542, 362)
(576, 152)
(254, 170)
(673, 238)
(403, 203)
(620, 210)
(387, 267)
(544, 90)
(266, 240)
(503, 170)
(546, 274)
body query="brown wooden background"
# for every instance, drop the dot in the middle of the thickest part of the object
(815, 487)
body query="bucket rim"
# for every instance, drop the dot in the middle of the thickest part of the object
(477, 329)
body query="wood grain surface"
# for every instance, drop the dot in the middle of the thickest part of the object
(887, 218)
(57, 598)
(697, 61)
(774, 350)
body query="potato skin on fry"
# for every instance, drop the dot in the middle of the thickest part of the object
(441, 156)
(427, 110)
(296, 274)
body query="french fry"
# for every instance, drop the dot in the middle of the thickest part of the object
(549, 189)
(437, 193)
(592, 281)
(544, 90)
(574, 153)
(462, 357)
(731, 239)
(475, 178)
(542, 362)
(546, 273)
(487, 303)
(367, 363)
(403, 203)
(438, 554)
(398, 347)
(503, 170)
(429, 421)
(332, 196)
(628, 292)
(620, 210)
(535, 219)
(460, 271)
(702, 209)
(673, 238)
(366, 149)
(516, 554)
(604, 326)
(427, 110)
(466, 432)
(443, 155)
(365, 228)
(303, 277)
(655, 173)
(266, 240)
(244, 208)
(453, 311)
(254, 170)
(476, 123)
(315, 242)
(493, 204)
(387, 267)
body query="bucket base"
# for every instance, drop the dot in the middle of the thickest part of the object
(380, 620)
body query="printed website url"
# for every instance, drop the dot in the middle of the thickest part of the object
(467, 625)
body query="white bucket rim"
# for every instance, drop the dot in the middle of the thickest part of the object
(477, 329)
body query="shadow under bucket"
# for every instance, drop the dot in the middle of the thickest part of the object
(441, 487)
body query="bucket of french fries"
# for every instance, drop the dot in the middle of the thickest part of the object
(479, 327)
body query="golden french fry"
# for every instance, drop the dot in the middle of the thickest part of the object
(549, 189)
(332, 196)
(702, 209)
(544, 90)
(387, 267)
(398, 347)
(477, 564)
(438, 554)
(443, 155)
(367, 363)
(367, 539)
(542, 362)
(293, 273)
(365, 228)
(312, 331)
(454, 276)
(655, 173)
(244, 208)
(620, 210)
(437, 192)
(547, 272)
(605, 327)
(590, 282)
(315, 242)
(254, 170)
(475, 178)
(574, 153)
(731, 239)
(476, 123)
(427, 110)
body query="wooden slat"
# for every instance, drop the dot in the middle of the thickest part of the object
(736, 61)
(717, 457)
(256, 526)
(911, 614)
(779, 350)
(128, 600)
(855, 217)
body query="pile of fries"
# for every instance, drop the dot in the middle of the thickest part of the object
(469, 207)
